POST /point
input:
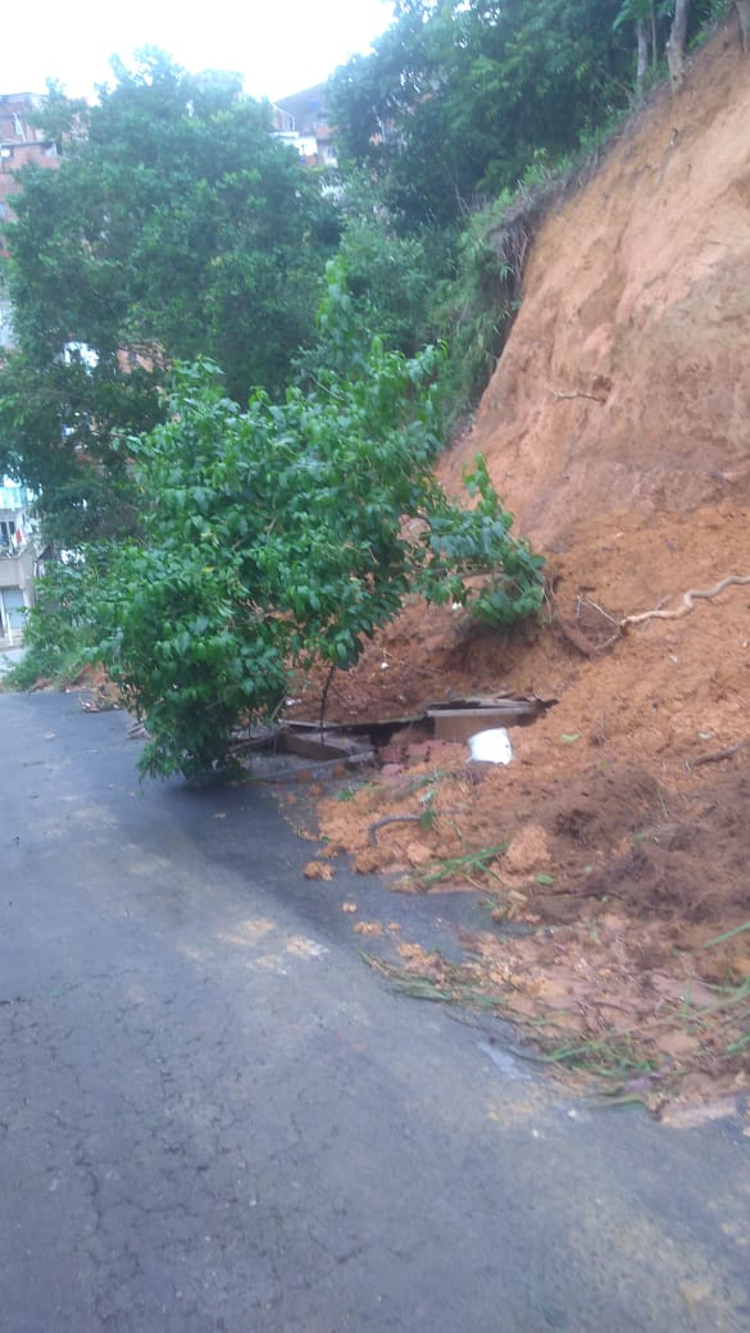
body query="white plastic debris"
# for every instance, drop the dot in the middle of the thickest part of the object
(491, 747)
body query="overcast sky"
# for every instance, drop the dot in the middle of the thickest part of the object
(279, 46)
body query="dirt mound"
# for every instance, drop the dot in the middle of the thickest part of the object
(616, 428)
(618, 837)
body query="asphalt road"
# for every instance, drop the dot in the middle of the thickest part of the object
(215, 1116)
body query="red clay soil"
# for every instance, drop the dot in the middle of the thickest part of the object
(617, 428)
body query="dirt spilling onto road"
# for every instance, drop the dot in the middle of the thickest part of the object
(618, 838)
(614, 851)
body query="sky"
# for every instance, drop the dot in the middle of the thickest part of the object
(279, 46)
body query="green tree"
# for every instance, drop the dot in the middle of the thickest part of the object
(290, 532)
(390, 277)
(177, 226)
(456, 97)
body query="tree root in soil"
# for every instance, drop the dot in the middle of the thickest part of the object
(688, 605)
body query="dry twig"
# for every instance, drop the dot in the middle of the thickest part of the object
(716, 756)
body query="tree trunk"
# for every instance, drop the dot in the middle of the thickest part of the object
(641, 36)
(743, 12)
(676, 44)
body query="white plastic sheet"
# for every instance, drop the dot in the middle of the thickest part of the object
(491, 747)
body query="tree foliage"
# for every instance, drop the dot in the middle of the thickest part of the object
(288, 533)
(390, 277)
(177, 226)
(458, 96)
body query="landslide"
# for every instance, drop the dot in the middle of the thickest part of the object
(617, 429)
(624, 385)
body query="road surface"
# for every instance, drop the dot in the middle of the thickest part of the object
(214, 1116)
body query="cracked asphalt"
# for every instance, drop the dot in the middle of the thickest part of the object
(214, 1116)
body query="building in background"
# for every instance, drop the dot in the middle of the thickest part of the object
(17, 562)
(301, 120)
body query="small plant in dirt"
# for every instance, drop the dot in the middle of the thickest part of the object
(289, 533)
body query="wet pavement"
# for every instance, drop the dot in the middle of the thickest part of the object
(215, 1116)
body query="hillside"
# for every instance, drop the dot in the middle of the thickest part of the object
(625, 382)
(617, 428)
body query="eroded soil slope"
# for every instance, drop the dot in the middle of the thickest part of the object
(616, 428)
(625, 382)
